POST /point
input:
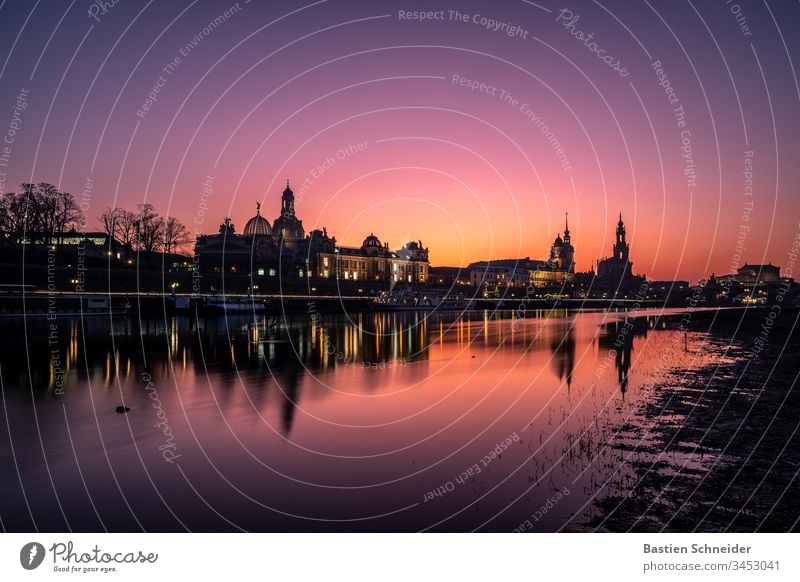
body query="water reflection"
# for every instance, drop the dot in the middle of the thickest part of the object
(617, 338)
(326, 416)
(563, 346)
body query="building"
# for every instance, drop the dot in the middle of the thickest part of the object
(228, 252)
(257, 226)
(502, 272)
(562, 253)
(373, 261)
(558, 269)
(758, 275)
(615, 273)
(283, 248)
(287, 228)
(664, 290)
(617, 267)
(449, 276)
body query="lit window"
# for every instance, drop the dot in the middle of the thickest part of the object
(272, 272)
(261, 272)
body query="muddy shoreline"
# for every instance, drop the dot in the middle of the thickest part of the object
(722, 452)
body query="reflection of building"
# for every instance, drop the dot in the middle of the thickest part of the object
(284, 248)
(557, 270)
(617, 338)
(563, 346)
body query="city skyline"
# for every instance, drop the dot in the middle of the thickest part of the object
(433, 122)
(389, 266)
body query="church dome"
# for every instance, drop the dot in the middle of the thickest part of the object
(372, 241)
(258, 225)
(558, 242)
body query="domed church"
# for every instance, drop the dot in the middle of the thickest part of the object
(562, 253)
(258, 225)
(284, 248)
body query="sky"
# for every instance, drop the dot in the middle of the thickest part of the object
(475, 129)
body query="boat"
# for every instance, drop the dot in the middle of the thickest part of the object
(30, 303)
(235, 304)
(409, 299)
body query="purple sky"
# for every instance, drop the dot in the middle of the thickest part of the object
(372, 117)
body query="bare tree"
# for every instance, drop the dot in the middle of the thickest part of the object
(56, 211)
(39, 214)
(108, 220)
(6, 216)
(176, 235)
(126, 229)
(150, 228)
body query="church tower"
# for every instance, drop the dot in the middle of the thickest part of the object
(621, 248)
(287, 202)
(568, 251)
(287, 225)
(562, 253)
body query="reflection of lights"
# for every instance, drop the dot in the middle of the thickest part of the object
(108, 369)
(72, 358)
(173, 335)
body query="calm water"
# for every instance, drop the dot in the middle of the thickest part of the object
(373, 421)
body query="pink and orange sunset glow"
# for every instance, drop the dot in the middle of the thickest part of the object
(474, 140)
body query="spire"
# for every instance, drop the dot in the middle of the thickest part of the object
(258, 208)
(566, 223)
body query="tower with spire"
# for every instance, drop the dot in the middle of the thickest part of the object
(562, 253)
(617, 268)
(287, 202)
(287, 226)
(621, 248)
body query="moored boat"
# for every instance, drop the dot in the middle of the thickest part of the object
(409, 299)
